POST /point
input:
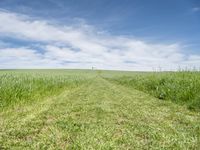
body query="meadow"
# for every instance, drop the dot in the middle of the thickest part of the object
(182, 87)
(93, 109)
(19, 87)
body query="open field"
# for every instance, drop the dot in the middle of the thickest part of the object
(82, 109)
(179, 87)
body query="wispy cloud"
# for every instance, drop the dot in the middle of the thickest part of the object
(83, 46)
(196, 9)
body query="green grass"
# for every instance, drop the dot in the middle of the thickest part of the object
(21, 86)
(93, 110)
(179, 87)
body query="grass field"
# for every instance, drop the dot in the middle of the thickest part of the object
(180, 87)
(82, 109)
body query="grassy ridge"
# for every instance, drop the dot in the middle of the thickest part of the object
(25, 86)
(179, 87)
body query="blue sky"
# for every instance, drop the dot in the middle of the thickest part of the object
(107, 34)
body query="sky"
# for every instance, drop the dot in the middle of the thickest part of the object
(138, 35)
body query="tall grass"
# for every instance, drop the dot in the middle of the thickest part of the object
(28, 85)
(25, 86)
(180, 87)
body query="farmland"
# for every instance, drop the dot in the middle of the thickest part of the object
(85, 109)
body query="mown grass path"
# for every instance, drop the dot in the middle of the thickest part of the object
(100, 115)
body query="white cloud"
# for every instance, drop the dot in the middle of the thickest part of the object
(83, 47)
(196, 9)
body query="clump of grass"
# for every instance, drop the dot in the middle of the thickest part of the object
(24, 86)
(180, 87)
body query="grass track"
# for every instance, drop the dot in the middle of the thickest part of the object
(100, 115)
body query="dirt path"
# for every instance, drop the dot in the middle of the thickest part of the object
(100, 115)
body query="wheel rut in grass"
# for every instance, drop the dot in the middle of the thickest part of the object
(100, 115)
